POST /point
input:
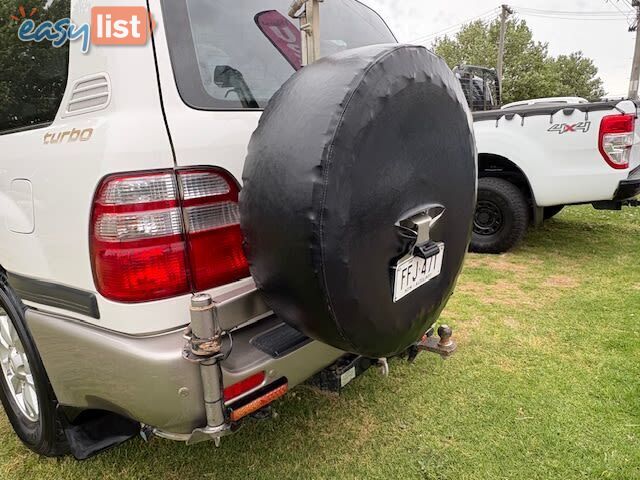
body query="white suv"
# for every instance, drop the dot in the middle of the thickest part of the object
(119, 183)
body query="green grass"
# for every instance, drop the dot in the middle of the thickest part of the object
(545, 385)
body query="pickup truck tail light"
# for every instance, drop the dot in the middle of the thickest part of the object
(616, 139)
(161, 234)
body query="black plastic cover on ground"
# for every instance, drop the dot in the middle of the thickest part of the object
(346, 149)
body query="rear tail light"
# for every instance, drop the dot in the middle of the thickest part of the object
(616, 139)
(157, 235)
(212, 220)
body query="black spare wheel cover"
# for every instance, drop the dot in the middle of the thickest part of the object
(346, 149)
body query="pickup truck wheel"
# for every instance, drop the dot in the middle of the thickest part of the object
(550, 212)
(25, 392)
(501, 217)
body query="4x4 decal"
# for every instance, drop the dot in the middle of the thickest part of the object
(561, 128)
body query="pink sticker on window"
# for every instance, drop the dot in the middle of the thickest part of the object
(283, 34)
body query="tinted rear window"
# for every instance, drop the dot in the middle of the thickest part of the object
(235, 54)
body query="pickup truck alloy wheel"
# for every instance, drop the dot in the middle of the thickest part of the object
(16, 369)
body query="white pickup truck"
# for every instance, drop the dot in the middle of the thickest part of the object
(537, 158)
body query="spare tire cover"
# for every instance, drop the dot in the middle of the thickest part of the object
(346, 149)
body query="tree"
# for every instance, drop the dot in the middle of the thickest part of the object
(33, 74)
(577, 76)
(529, 71)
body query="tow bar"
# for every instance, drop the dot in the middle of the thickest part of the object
(337, 376)
(443, 345)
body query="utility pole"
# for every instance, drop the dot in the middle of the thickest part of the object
(635, 68)
(504, 15)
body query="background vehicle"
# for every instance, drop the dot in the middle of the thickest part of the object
(536, 156)
(545, 101)
(480, 86)
(126, 295)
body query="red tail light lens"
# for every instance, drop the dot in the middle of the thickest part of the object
(616, 139)
(137, 241)
(212, 219)
(244, 386)
(140, 249)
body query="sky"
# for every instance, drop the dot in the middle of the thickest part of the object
(607, 41)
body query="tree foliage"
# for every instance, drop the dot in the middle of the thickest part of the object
(32, 74)
(529, 70)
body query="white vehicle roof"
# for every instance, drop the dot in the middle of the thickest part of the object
(549, 100)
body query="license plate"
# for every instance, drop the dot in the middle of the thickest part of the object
(413, 272)
(347, 376)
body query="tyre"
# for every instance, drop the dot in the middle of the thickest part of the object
(350, 150)
(550, 212)
(27, 396)
(501, 217)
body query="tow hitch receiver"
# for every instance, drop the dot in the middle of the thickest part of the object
(443, 344)
(335, 377)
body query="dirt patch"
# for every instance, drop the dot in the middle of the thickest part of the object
(561, 281)
(636, 286)
(501, 293)
(466, 328)
(511, 323)
(506, 364)
(365, 429)
(507, 263)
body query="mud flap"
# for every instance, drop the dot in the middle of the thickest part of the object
(96, 431)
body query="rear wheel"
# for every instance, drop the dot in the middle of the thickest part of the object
(25, 392)
(501, 218)
(550, 212)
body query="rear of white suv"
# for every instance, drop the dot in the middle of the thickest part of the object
(120, 201)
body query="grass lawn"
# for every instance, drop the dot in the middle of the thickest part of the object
(545, 385)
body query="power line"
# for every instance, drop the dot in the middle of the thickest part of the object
(454, 28)
(604, 19)
(493, 13)
(598, 13)
(615, 5)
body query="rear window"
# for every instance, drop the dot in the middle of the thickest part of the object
(235, 54)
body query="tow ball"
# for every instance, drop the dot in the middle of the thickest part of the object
(443, 344)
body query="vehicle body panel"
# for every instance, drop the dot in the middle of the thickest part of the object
(125, 358)
(562, 164)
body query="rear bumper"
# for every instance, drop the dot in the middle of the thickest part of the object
(629, 188)
(146, 378)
